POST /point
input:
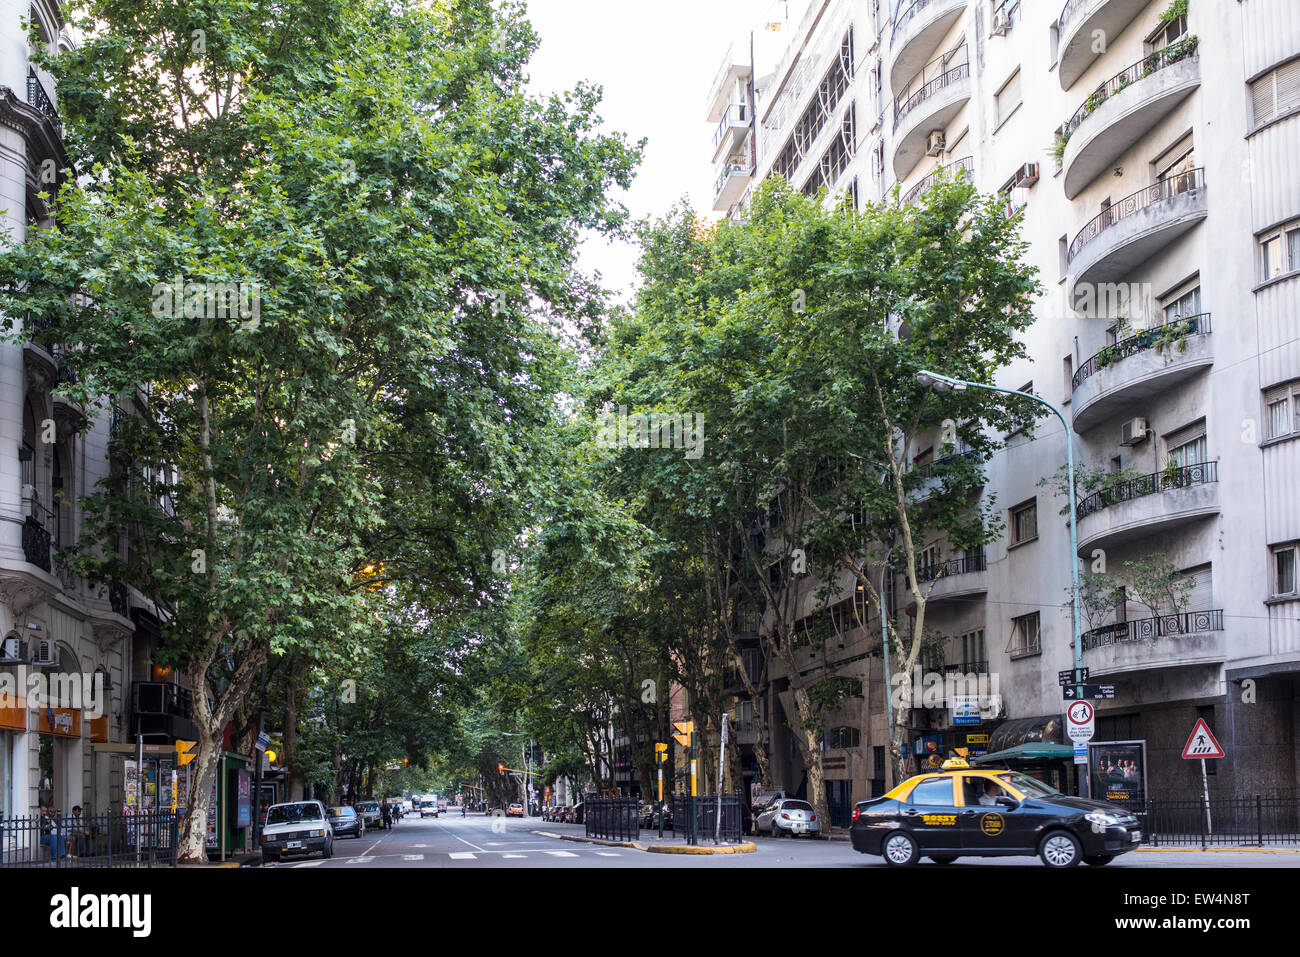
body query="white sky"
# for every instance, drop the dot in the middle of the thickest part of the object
(656, 62)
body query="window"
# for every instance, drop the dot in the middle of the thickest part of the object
(1282, 409)
(1177, 168)
(972, 650)
(1280, 250)
(1168, 34)
(1187, 446)
(1276, 93)
(1284, 567)
(1024, 522)
(878, 762)
(1183, 306)
(844, 737)
(1008, 99)
(1026, 636)
(935, 791)
(927, 560)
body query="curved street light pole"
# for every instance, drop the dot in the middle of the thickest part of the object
(943, 383)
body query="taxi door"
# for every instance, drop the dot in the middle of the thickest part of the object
(984, 827)
(931, 814)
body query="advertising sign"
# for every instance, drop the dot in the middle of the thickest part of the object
(243, 799)
(212, 816)
(1117, 772)
(966, 709)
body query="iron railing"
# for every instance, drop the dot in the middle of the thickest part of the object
(957, 566)
(1070, 7)
(36, 543)
(1134, 203)
(735, 115)
(959, 72)
(706, 818)
(958, 169)
(967, 668)
(612, 819)
(1149, 629)
(1151, 63)
(1250, 821)
(118, 599)
(138, 839)
(1173, 330)
(1201, 473)
(927, 470)
(38, 98)
(906, 16)
(744, 168)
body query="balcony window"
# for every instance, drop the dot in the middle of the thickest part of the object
(1187, 304)
(973, 652)
(1280, 250)
(1276, 93)
(1168, 34)
(1187, 446)
(1008, 99)
(1024, 522)
(1026, 635)
(1284, 565)
(1283, 409)
(927, 558)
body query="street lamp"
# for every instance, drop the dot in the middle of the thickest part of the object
(943, 383)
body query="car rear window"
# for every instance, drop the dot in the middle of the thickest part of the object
(796, 806)
(288, 813)
(341, 812)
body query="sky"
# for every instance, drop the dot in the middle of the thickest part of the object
(656, 62)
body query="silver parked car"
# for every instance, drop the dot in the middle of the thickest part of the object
(299, 827)
(787, 816)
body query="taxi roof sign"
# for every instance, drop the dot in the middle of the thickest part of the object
(953, 764)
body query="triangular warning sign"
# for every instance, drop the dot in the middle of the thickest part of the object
(1202, 743)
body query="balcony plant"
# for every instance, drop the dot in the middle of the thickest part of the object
(1174, 333)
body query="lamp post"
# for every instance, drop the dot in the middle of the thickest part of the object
(943, 383)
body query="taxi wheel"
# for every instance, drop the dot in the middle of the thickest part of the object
(899, 849)
(1060, 849)
(1098, 860)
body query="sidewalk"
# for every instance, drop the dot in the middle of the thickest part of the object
(648, 841)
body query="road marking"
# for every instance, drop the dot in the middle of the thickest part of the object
(561, 854)
(310, 864)
(419, 845)
(412, 857)
(363, 859)
(513, 855)
(606, 854)
(462, 856)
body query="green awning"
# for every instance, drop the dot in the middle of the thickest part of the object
(1032, 751)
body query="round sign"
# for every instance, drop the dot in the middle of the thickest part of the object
(992, 824)
(1080, 723)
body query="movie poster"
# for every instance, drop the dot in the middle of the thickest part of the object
(1117, 772)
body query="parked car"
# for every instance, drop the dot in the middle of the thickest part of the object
(297, 827)
(370, 813)
(787, 816)
(346, 821)
(650, 814)
(515, 810)
(960, 811)
(575, 814)
(428, 805)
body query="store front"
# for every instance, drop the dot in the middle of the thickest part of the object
(1033, 746)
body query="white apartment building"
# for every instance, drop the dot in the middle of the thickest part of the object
(51, 620)
(1165, 227)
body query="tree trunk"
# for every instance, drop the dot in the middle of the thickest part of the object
(192, 840)
(816, 777)
(292, 687)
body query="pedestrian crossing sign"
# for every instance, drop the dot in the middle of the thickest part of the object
(1202, 743)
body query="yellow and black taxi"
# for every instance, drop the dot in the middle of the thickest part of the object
(960, 811)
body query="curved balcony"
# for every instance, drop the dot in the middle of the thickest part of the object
(1078, 26)
(959, 169)
(1147, 505)
(1149, 644)
(1136, 228)
(930, 106)
(1123, 375)
(917, 33)
(1123, 110)
(956, 580)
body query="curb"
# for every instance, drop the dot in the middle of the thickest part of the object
(1216, 850)
(747, 848)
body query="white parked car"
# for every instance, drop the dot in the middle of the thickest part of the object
(787, 816)
(299, 827)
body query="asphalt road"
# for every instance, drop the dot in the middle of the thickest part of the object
(477, 841)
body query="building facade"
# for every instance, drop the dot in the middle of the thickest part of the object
(1149, 146)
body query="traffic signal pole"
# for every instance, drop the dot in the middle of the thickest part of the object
(694, 789)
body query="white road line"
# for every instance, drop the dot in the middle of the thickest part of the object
(419, 845)
(468, 843)
(310, 864)
(369, 849)
(513, 855)
(561, 854)
(462, 855)
(363, 859)
(606, 854)
(412, 857)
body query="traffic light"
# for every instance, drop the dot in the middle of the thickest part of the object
(406, 760)
(501, 769)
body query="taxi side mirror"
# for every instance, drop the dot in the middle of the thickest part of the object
(1008, 802)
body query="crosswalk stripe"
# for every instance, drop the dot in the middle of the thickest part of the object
(561, 854)
(514, 855)
(463, 856)
(310, 864)
(412, 857)
(606, 854)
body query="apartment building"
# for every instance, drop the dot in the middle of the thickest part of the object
(52, 622)
(1151, 148)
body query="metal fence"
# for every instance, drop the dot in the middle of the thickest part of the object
(1225, 822)
(144, 839)
(706, 818)
(613, 819)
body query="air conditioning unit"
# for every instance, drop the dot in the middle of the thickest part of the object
(935, 143)
(1001, 23)
(13, 651)
(1026, 176)
(47, 653)
(1134, 432)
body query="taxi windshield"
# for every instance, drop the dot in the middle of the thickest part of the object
(1027, 785)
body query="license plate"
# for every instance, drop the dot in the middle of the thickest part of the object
(801, 827)
(294, 844)
(1135, 836)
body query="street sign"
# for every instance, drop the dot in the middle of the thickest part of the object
(1070, 678)
(1081, 692)
(263, 740)
(1081, 752)
(1081, 721)
(1202, 743)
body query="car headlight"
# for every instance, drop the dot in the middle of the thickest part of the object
(1101, 818)
(318, 833)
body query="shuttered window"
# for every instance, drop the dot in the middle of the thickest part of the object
(1276, 93)
(1008, 98)
(1282, 408)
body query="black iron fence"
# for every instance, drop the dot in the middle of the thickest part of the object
(1173, 332)
(1251, 821)
(1135, 203)
(612, 819)
(958, 566)
(142, 839)
(1151, 63)
(706, 818)
(1183, 476)
(1165, 626)
(960, 72)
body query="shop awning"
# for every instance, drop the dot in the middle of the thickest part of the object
(1027, 752)
(1045, 729)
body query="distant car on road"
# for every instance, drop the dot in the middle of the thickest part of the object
(370, 813)
(788, 816)
(346, 820)
(428, 805)
(515, 810)
(298, 827)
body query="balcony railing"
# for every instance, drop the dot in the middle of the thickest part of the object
(742, 168)
(906, 17)
(959, 72)
(736, 114)
(38, 98)
(1070, 7)
(1175, 330)
(967, 668)
(1185, 476)
(957, 566)
(36, 543)
(1149, 629)
(1130, 205)
(959, 169)
(118, 600)
(1152, 63)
